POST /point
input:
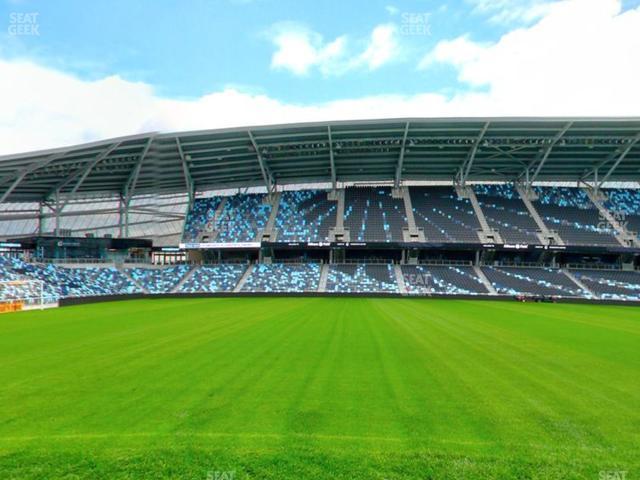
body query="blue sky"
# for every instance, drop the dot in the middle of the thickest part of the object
(189, 49)
(182, 65)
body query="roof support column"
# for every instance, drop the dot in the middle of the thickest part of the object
(40, 218)
(331, 159)
(465, 168)
(121, 216)
(130, 186)
(18, 176)
(126, 218)
(623, 154)
(188, 179)
(83, 174)
(57, 215)
(542, 157)
(12, 187)
(266, 174)
(398, 178)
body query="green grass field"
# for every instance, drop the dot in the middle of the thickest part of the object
(320, 388)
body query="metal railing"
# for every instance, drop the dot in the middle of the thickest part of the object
(502, 263)
(75, 261)
(446, 263)
(594, 266)
(378, 261)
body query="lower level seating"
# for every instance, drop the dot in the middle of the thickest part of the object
(213, 278)
(611, 284)
(81, 282)
(28, 293)
(159, 280)
(63, 282)
(453, 280)
(531, 281)
(283, 277)
(361, 278)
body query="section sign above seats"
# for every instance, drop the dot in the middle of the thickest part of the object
(405, 245)
(221, 245)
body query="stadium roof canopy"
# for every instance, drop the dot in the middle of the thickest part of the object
(461, 149)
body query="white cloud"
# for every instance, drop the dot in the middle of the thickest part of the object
(299, 49)
(382, 47)
(457, 52)
(579, 59)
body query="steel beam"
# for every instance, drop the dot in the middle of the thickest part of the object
(398, 178)
(623, 154)
(21, 174)
(85, 170)
(84, 175)
(465, 168)
(266, 174)
(542, 158)
(130, 186)
(331, 159)
(188, 179)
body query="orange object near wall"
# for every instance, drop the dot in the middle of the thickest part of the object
(11, 307)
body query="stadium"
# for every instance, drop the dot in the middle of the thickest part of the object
(532, 208)
(410, 298)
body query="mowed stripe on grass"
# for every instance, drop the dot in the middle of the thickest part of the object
(319, 388)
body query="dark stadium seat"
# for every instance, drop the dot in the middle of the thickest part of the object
(570, 212)
(624, 204)
(213, 278)
(451, 280)
(158, 280)
(610, 284)
(283, 277)
(506, 212)
(242, 218)
(198, 218)
(443, 216)
(305, 216)
(361, 278)
(372, 215)
(531, 281)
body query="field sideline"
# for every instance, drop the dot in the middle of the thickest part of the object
(300, 388)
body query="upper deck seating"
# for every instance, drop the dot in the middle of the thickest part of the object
(443, 216)
(372, 215)
(242, 218)
(506, 212)
(305, 216)
(576, 219)
(201, 213)
(624, 205)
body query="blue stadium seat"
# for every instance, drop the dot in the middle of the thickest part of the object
(369, 278)
(283, 277)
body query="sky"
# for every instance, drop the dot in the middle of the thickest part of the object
(77, 71)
